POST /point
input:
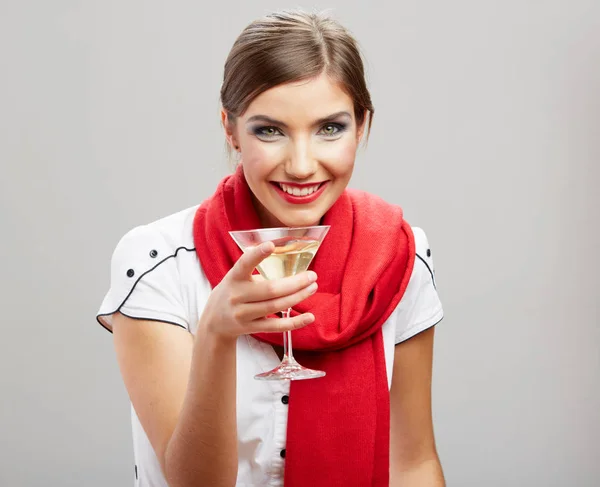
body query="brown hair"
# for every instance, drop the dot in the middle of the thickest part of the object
(288, 46)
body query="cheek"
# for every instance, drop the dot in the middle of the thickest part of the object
(339, 157)
(260, 157)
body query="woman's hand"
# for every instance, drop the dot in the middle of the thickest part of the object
(240, 303)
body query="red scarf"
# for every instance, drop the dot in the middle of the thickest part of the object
(339, 425)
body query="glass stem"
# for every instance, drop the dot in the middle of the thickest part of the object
(287, 339)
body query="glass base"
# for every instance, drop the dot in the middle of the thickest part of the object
(290, 370)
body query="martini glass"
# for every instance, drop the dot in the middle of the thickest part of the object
(294, 250)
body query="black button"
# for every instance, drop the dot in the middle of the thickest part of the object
(285, 399)
(282, 453)
(428, 252)
(130, 273)
(153, 253)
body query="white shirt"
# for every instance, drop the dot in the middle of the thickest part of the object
(156, 275)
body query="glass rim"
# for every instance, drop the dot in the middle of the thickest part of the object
(278, 229)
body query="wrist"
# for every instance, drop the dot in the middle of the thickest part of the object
(210, 337)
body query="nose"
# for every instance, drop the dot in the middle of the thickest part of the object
(300, 163)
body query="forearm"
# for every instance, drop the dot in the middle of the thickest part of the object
(425, 474)
(203, 447)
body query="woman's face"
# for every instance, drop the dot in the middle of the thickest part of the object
(298, 144)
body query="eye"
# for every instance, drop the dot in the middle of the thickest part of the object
(332, 129)
(267, 132)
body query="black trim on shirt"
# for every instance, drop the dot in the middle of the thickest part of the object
(135, 284)
(424, 329)
(428, 268)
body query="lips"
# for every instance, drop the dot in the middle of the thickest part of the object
(300, 194)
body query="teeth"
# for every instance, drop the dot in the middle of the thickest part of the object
(297, 191)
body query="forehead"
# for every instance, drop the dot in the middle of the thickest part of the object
(302, 101)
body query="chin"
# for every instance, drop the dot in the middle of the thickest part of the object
(301, 220)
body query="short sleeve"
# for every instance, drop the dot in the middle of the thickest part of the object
(420, 307)
(145, 282)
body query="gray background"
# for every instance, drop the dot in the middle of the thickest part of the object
(487, 131)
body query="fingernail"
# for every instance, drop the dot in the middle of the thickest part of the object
(312, 276)
(266, 247)
(313, 288)
(309, 318)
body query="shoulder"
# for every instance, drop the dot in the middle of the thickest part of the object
(423, 267)
(146, 282)
(420, 306)
(171, 232)
(174, 229)
(145, 246)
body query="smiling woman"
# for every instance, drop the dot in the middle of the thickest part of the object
(298, 144)
(296, 115)
(295, 106)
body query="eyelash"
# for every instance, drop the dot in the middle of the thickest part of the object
(258, 131)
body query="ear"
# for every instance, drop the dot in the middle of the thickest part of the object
(229, 128)
(360, 130)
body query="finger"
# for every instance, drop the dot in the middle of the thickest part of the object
(254, 311)
(280, 325)
(243, 268)
(263, 290)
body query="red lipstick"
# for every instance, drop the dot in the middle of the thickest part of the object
(300, 200)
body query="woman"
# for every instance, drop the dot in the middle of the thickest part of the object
(294, 107)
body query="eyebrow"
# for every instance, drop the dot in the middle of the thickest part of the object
(265, 118)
